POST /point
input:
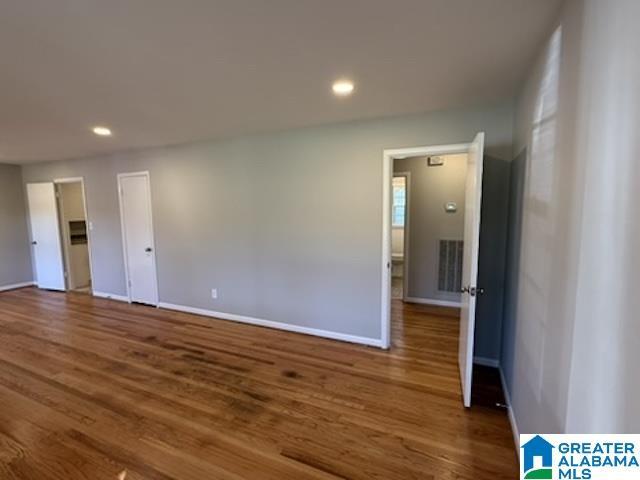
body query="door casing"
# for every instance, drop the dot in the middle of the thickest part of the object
(387, 201)
(59, 181)
(388, 156)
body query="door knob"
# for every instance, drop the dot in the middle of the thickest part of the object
(473, 291)
(148, 249)
(464, 289)
(34, 243)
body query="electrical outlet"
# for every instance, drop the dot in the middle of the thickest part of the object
(214, 293)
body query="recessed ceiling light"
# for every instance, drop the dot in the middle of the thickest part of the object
(342, 88)
(102, 131)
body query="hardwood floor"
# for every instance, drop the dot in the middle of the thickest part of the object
(90, 388)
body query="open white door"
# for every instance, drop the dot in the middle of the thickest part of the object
(45, 236)
(137, 235)
(473, 199)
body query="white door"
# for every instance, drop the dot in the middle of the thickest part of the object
(473, 198)
(45, 236)
(137, 234)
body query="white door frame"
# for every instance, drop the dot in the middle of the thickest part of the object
(388, 155)
(80, 180)
(146, 174)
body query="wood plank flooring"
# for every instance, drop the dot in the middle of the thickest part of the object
(97, 389)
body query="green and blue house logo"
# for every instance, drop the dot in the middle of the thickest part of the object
(537, 459)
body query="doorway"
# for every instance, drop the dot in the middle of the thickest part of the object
(441, 263)
(75, 234)
(60, 235)
(400, 233)
(137, 237)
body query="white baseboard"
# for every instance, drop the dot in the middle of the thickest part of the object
(112, 296)
(486, 362)
(4, 288)
(429, 301)
(512, 416)
(373, 342)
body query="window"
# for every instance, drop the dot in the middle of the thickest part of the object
(399, 201)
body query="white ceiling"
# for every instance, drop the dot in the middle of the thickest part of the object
(161, 72)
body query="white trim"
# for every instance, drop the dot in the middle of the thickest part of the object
(429, 301)
(146, 174)
(385, 296)
(124, 242)
(111, 296)
(88, 225)
(62, 226)
(4, 288)
(388, 156)
(451, 149)
(486, 362)
(512, 417)
(373, 342)
(406, 236)
(68, 180)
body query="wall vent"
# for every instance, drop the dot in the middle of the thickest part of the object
(450, 266)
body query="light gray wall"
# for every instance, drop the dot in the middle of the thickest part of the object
(571, 330)
(605, 388)
(430, 188)
(72, 201)
(15, 257)
(287, 226)
(541, 323)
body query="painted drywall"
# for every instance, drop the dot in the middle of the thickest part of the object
(76, 256)
(538, 329)
(512, 267)
(604, 391)
(492, 258)
(287, 226)
(429, 189)
(15, 256)
(397, 252)
(571, 330)
(397, 242)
